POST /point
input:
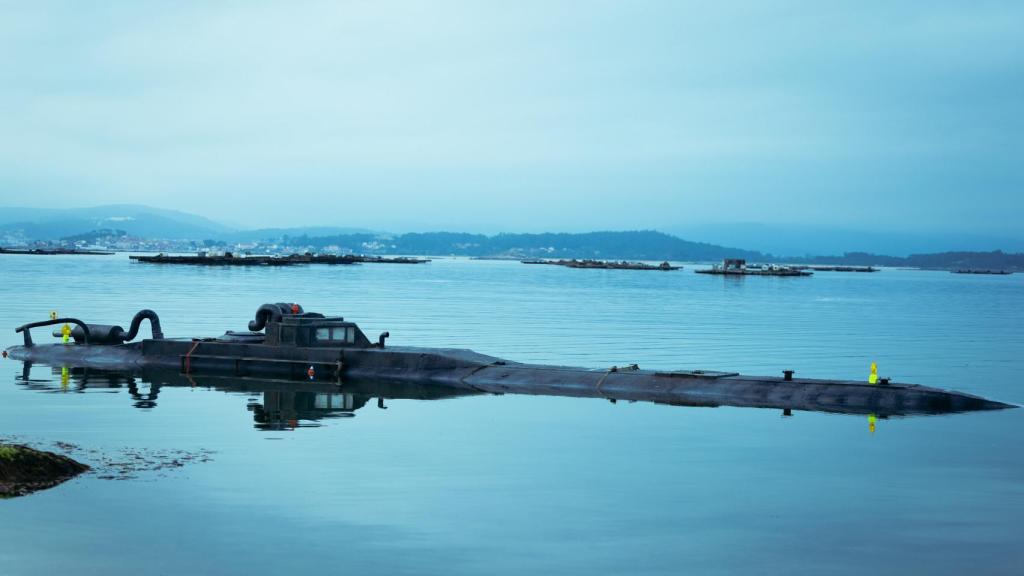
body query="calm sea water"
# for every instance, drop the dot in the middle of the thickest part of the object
(516, 484)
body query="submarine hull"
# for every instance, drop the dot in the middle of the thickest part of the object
(464, 369)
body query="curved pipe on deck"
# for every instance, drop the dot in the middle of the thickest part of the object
(272, 313)
(154, 324)
(28, 335)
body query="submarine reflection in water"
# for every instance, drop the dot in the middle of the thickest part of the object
(283, 405)
(282, 410)
(290, 404)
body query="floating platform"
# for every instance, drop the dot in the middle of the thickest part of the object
(739, 267)
(756, 272)
(817, 268)
(992, 272)
(230, 259)
(284, 342)
(226, 260)
(54, 251)
(604, 264)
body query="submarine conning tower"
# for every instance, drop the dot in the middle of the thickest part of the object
(289, 325)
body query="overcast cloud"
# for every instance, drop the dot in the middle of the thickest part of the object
(525, 116)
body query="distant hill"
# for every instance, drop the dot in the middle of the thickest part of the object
(26, 225)
(809, 239)
(631, 245)
(23, 225)
(31, 224)
(279, 233)
(994, 260)
(94, 236)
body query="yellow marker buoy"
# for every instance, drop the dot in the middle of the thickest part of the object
(872, 419)
(65, 333)
(873, 378)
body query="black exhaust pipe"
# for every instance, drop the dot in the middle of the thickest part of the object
(272, 313)
(154, 324)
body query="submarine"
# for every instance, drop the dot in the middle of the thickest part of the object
(285, 342)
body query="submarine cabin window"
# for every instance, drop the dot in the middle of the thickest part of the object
(337, 334)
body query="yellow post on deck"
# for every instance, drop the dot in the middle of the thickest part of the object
(873, 378)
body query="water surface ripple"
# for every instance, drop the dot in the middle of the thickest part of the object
(515, 484)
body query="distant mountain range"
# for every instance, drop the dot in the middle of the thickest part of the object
(26, 225)
(33, 224)
(810, 239)
(629, 245)
(633, 245)
(276, 233)
(993, 260)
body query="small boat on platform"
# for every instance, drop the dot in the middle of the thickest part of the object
(739, 267)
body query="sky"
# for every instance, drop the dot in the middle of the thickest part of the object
(521, 116)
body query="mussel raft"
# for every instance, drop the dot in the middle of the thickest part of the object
(285, 342)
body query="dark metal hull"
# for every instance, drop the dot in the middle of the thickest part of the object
(473, 372)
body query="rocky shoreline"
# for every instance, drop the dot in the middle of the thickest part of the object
(24, 470)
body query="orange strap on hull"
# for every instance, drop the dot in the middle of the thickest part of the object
(188, 357)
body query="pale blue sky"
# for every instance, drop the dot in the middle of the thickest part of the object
(526, 116)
